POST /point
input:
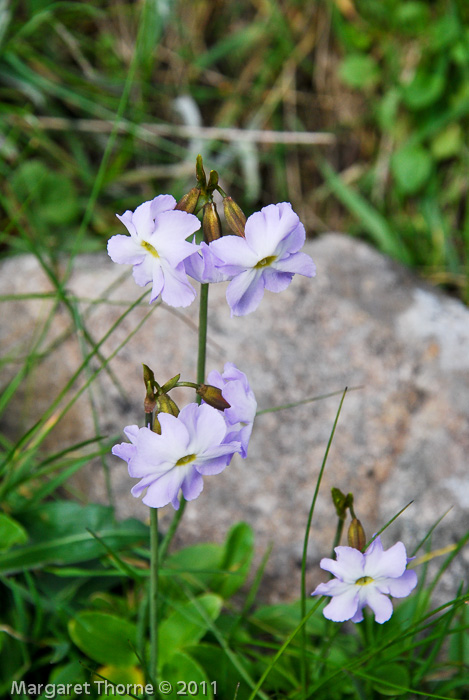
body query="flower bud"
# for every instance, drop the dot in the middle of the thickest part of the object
(189, 201)
(341, 502)
(234, 216)
(200, 172)
(211, 223)
(213, 396)
(149, 401)
(165, 404)
(356, 535)
(212, 180)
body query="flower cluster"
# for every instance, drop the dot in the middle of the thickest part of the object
(198, 442)
(266, 256)
(366, 579)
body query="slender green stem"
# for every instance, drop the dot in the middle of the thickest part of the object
(201, 357)
(154, 564)
(338, 535)
(304, 675)
(202, 350)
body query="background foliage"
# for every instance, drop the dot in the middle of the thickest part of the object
(389, 80)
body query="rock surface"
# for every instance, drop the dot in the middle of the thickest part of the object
(362, 322)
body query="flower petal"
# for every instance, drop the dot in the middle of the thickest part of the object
(164, 489)
(276, 281)
(348, 566)
(125, 250)
(266, 228)
(193, 485)
(342, 607)
(177, 290)
(379, 603)
(298, 263)
(382, 563)
(398, 587)
(245, 292)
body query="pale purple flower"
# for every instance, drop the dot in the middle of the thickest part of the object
(201, 266)
(267, 258)
(366, 579)
(240, 416)
(191, 445)
(157, 248)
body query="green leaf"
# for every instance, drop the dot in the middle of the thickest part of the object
(236, 562)
(187, 625)
(283, 618)
(411, 167)
(196, 565)
(448, 143)
(392, 675)
(187, 678)
(426, 87)
(104, 638)
(359, 71)
(11, 532)
(60, 533)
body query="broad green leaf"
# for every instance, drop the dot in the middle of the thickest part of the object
(411, 167)
(412, 17)
(60, 533)
(195, 565)
(236, 562)
(426, 87)
(104, 638)
(119, 675)
(392, 675)
(187, 678)
(187, 625)
(283, 618)
(11, 532)
(359, 71)
(448, 143)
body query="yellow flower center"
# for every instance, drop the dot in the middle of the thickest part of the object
(363, 581)
(265, 262)
(185, 460)
(149, 248)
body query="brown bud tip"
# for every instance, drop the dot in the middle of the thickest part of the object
(234, 216)
(356, 535)
(213, 396)
(189, 201)
(150, 398)
(165, 404)
(211, 225)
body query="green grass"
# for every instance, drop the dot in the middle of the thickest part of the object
(80, 114)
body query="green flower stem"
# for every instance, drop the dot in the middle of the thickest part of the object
(202, 350)
(154, 564)
(201, 357)
(154, 572)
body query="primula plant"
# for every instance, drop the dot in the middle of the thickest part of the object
(140, 618)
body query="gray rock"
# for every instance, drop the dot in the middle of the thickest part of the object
(363, 322)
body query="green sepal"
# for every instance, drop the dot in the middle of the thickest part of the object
(170, 384)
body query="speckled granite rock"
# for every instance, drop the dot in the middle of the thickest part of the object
(362, 322)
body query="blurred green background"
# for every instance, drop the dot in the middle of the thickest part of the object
(95, 96)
